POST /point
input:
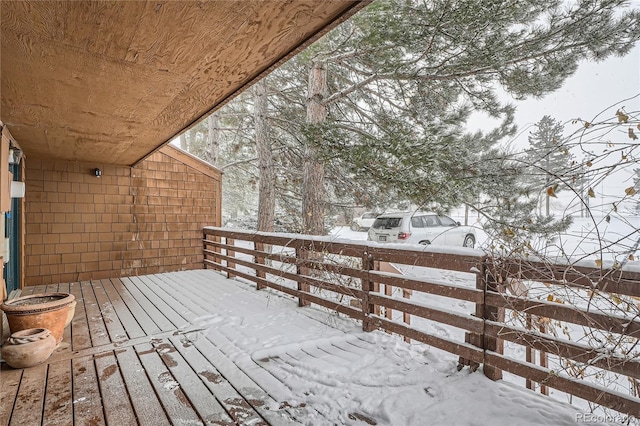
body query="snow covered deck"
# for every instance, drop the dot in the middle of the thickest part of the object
(196, 348)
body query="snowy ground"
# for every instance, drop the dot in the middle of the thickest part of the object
(336, 374)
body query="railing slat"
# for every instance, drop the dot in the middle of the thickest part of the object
(572, 314)
(456, 348)
(593, 393)
(466, 322)
(574, 351)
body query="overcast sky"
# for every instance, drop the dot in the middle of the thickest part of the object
(593, 88)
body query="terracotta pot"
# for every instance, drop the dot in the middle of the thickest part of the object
(43, 310)
(70, 314)
(28, 348)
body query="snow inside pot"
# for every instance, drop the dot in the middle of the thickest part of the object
(43, 310)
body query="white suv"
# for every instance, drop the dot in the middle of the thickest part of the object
(421, 228)
(363, 222)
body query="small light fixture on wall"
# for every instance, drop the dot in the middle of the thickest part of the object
(15, 155)
(97, 172)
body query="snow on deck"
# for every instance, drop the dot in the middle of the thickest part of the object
(341, 375)
(194, 347)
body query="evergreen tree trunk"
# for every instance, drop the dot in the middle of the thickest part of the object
(213, 138)
(266, 194)
(183, 142)
(313, 192)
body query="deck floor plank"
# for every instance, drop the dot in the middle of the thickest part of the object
(151, 291)
(97, 328)
(154, 313)
(145, 321)
(178, 294)
(254, 373)
(235, 404)
(9, 384)
(115, 329)
(80, 338)
(115, 398)
(257, 397)
(148, 409)
(27, 291)
(58, 403)
(129, 322)
(167, 294)
(30, 397)
(202, 400)
(173, 399)
(87, 403)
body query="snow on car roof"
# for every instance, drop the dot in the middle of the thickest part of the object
(411, 213)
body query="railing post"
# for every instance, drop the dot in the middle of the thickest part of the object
(260, 261)
(368, 286)
(302, 256)
(230, 253)
(492, 313)
(474, 338)
(204, 248)
(405, 315)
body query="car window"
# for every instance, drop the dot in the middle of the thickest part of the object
(369, 216)
(416, 222)
(447, 221)
(387, 222)
(431, 220)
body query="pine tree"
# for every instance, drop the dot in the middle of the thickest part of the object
(404, 76)
(549, 162)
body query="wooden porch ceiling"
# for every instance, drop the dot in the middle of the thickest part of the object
(111, 81)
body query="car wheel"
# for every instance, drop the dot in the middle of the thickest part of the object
(354, 227)
(469, 241)
(425, 242)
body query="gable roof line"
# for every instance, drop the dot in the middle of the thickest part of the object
(192, 161)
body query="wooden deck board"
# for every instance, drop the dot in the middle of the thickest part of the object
(30, 398)
(143, 319)
(257, 397)
(151, 310)
(87, 403)
(80, 337)
(115, 329)
(175, 294)
(146, 287)
(129, 322)
(97, 328)
(9, 384)
(115, 399)
(202, 400)
(134, 355)
(58, 403)
(167, 387)
(238, 408)
(149, 410)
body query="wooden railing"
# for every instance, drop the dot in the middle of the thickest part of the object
(347, 277)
